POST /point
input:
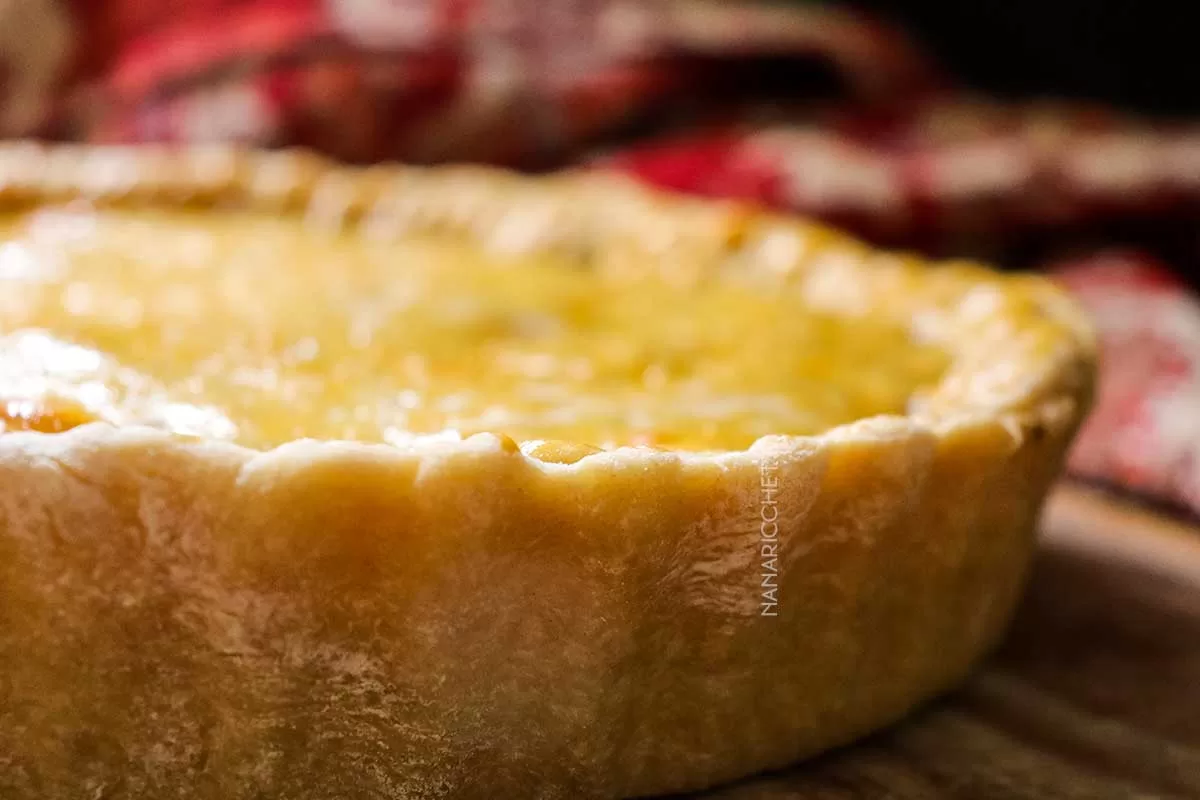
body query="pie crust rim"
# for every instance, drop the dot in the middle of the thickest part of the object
(908, 536)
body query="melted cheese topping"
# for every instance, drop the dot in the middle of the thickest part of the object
(247, 327)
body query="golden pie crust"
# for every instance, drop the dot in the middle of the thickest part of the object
(187, 617)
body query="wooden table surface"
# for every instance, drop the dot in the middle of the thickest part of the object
(1095, 694)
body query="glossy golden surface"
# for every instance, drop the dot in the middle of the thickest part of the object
(260, 329)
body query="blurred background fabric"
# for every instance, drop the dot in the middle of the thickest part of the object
(1038, 136)
(520, 81)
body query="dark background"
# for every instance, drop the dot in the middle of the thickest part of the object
(1140, 55)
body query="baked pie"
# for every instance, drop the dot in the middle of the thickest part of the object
(319, 482)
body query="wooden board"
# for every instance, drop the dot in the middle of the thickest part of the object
(1095, 694)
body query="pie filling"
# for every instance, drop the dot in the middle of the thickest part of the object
(254, 328)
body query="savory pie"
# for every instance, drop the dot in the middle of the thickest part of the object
(319, 482)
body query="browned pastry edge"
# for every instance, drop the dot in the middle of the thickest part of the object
(472, 619)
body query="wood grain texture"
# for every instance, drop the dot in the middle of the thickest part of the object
(1095, 694)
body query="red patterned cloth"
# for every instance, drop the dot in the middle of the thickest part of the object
(425, 80)
(950, 167)
(1145, 431)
